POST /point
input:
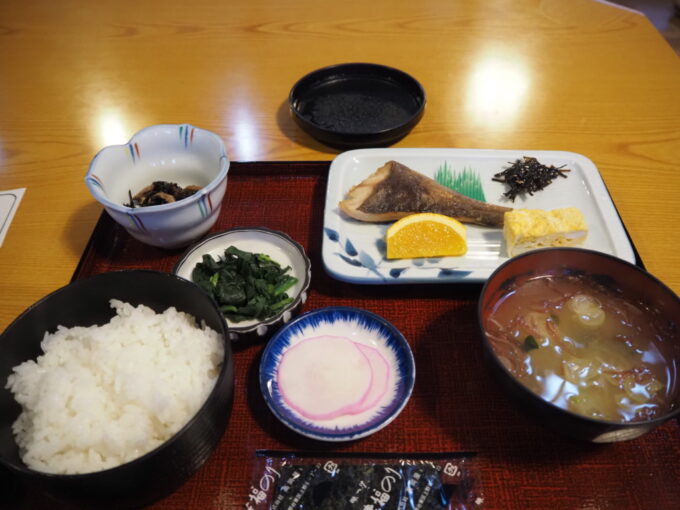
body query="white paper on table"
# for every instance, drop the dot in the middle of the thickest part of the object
(9, 203)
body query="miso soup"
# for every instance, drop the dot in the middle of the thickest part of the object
(583, 346)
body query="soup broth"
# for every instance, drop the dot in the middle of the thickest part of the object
(584, 347)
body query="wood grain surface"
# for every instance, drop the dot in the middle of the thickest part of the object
(581, 76)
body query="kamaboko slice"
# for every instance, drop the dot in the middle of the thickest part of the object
(381, 375)
(324, 377)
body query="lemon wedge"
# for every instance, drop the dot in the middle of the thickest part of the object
(426, 235)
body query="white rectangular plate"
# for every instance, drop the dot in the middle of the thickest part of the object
(354, 251)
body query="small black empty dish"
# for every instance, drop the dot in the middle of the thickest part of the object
(357, 105)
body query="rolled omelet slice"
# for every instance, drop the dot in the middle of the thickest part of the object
(530, 229)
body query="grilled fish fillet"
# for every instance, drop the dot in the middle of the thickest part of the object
(394, 191)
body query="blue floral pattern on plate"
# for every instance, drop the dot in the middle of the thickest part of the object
(383, 268)
(354, 251)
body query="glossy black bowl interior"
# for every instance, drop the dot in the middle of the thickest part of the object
(357, 105)
(635, 284)
(84, 303)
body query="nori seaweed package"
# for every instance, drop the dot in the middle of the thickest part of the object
(363, 481)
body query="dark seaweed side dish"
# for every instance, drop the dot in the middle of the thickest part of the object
(160, 192)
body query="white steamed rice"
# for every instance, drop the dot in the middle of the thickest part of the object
(101, 396)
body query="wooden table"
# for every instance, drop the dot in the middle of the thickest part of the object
(580, 76)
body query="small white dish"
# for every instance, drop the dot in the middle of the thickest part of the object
(179, 153)
(354, 251)
(360, 326)
(279, 246)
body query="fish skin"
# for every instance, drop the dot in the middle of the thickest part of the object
(394, 191)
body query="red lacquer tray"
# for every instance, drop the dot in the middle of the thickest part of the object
(456, 405)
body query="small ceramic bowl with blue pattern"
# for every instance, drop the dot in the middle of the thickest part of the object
(182, 154)
(337, 373)
(280, 247)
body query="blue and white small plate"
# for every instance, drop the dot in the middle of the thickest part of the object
(359, 326)
(279, 246)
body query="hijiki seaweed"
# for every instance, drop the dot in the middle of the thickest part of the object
(528, 175)
(160, 192)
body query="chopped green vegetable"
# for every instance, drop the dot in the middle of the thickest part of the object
(245, 285)
(530, 343)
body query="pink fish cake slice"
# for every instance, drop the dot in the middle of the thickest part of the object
(381, 377)
(324, 377)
